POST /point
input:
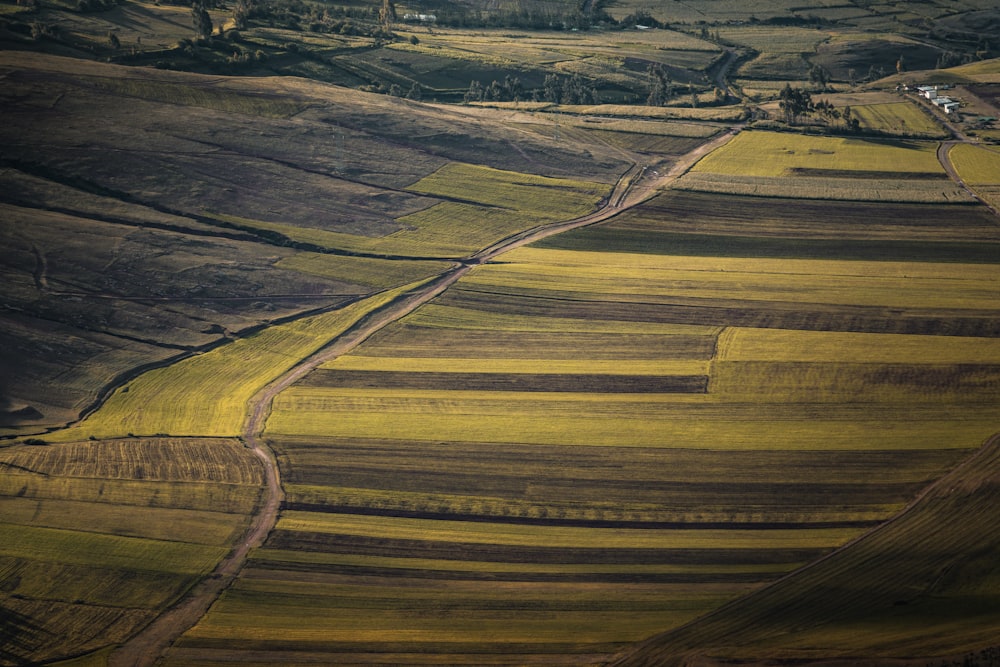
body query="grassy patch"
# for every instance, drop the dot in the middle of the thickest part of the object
(976, 165)
(207, 394)
(105, 534)
(769, 154)
(900, 117)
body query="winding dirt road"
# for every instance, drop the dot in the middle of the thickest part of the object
(144, 650)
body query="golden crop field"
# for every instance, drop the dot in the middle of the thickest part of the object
(661, 279)
(901, 117)
(206, 395)
(977, 165)
(771, 154)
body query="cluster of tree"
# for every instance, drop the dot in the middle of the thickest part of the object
(797, 102)
(555, 89)
(571, 90)
(661, 87)
(510, 90)
(794, 102)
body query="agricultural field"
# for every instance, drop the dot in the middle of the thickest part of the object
(897, 118)
(979, 167)
(742, 421)
(100, 537)
(581, 418)
(928, 600)
(132, 259)
(773, 164)
(207, 394)
(685, 222)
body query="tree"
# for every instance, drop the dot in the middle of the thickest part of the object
(495, 92)
(474, 93)
(661, 88)
(113, 41)
(819, 76)
(794, 102)
(512, 89)
(202, 21)
(241, 13)
(551, 89)
(415, 93)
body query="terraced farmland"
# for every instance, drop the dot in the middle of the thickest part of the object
(582, 443)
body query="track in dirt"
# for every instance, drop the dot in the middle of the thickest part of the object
(636, 186)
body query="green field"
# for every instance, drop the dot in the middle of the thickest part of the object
(207, 394)
(770, 154)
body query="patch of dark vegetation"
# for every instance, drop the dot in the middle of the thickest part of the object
(502, 553)
(539, 577)
(528, 382)
(593, 523)
(749, 313)
(608, 239)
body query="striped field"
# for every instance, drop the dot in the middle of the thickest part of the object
(583, 445)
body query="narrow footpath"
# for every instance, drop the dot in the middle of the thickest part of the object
(637, 185)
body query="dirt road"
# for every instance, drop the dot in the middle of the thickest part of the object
(944, 157)
(636, 186)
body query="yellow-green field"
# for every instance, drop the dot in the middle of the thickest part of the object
(680, 430)
(977, 165)
(207, 394)
(899, 117)
(773, 164)
(771, 154)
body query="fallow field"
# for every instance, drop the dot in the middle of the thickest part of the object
(596, 436)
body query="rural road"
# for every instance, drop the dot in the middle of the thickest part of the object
(944, 157)
(144, 649)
